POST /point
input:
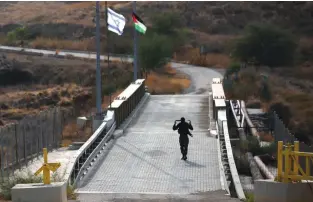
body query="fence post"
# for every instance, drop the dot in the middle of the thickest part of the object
(16, 146)
(279, 160)
(53, 129)
(1, 160)
(25, 145)
(296, 161)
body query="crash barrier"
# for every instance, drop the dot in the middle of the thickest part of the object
(126, 102)
(289, 168)
(229, 166)
(117, 112)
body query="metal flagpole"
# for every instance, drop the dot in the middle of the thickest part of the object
(135, 46)
(98, 70)
(108, 47)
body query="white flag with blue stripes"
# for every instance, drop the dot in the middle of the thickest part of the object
(116, 22)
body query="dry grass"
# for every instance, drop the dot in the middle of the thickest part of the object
(193, 56)
(72, 133)
(167, 82)
(52, 12)
(44, 43)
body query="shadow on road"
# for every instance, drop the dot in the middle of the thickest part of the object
(193, 164)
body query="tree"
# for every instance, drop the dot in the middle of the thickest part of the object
(19, 33)
(266, 45)
(153, 51)
(169, 24)
(160, 41)
(166, 23)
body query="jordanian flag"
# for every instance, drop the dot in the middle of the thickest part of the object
(139, 25)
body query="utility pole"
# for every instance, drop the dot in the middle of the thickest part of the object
(135, 46)
(98, 70)
(108, 47)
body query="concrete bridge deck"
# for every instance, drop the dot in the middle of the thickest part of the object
(146, 159)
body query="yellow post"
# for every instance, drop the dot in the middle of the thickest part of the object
(46, 171)
(47, 167)
(307, 165)
(279, 161)
(287, 163)
(296, 161)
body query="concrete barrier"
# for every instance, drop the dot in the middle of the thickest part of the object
(54, 192)
(271, 191)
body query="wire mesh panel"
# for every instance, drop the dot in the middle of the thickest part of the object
(21, 142)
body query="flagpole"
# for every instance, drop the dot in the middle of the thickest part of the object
(108, 47)
(98, 70)
(135, 46)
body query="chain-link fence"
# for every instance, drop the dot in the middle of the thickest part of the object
(23, 141)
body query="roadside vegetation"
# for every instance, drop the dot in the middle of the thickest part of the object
(263, 60)
(28, 178)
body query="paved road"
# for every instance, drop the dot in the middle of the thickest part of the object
(144, 164)
(201, 77)
(78, 54)
(147, 158)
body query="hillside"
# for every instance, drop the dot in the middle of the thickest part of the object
(73, 20)
(69, 25)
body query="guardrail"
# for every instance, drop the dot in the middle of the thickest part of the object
(240, 114)
(99, 146)
(220, 112)
(120, 108)
(85, 152)
(227, 153)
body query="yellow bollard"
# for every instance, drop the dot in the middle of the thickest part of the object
(47, 167)
(287, 170)
(296, 161)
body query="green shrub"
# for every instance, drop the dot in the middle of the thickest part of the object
(249, 197)
(8, 184)
(252, 145)
(266, 45)
(233, 68)
(20, 33)
(108, 89)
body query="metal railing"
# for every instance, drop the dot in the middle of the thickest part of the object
(88, 152)
(236, 108)
(117, 113)
(288, 165)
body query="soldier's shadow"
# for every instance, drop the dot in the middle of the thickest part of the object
(193, 164)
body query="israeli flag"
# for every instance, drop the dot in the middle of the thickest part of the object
(116, 22)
